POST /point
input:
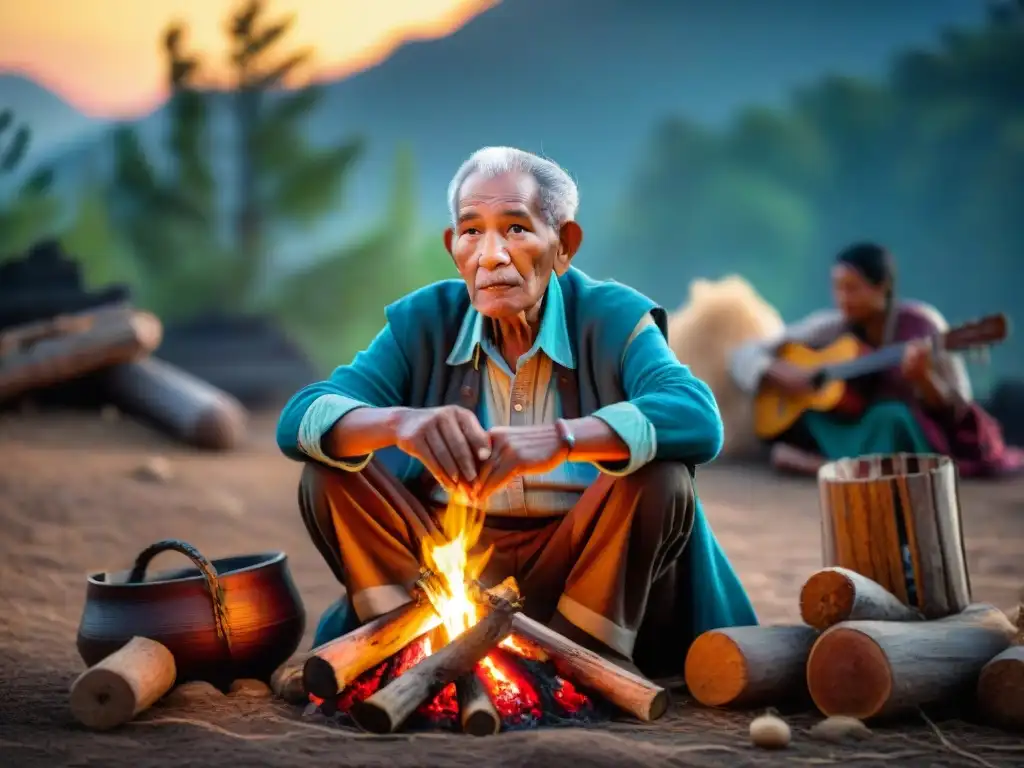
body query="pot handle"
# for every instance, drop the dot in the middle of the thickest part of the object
(220, 614)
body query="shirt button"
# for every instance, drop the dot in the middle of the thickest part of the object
(517, 407)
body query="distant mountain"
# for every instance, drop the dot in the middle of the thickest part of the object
(583, 81)
(54, 122)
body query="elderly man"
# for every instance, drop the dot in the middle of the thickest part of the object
(550, 401)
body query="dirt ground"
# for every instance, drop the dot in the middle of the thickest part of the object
(70, 504)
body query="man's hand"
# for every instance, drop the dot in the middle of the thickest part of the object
(448, 440)
(791, 379)
(917, 361)
(518, 451)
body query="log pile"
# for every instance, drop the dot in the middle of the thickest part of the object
(329, 669)
(98, 342)
(859, 655)
(888, 625)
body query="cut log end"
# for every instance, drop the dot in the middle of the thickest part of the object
(658, 706)
(102, 700)
(848, 674)
(319, 679)
(715, 670)
(827, 598)
(219, 428)
(1001, 689)
(372, 718)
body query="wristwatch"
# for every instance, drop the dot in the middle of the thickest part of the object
(565, 433)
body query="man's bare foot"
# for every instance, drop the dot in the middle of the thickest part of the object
(786, 458)
(567, 629)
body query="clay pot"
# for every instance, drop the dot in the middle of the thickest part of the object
(237, 617)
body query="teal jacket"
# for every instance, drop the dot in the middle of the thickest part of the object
(601, 316)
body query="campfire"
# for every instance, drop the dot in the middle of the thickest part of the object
(463, 657)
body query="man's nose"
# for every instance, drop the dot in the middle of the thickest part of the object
(493, 254)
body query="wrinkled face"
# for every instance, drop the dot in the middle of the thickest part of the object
(503, 246)
(855, 297)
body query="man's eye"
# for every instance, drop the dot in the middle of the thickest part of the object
(517, 229)
(471, 231)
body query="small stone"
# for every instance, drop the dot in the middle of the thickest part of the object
(840, 728)
(110, 414)
(250, 689)
(191, 694)
(155, 469)
(769, 732)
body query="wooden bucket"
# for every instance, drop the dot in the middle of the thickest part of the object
(896, 519)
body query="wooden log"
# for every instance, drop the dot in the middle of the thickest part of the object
(286, 681)
(631, 693)
(1001, 689)
(185, 406)
(122, 685)
(838, 594)
(389, 707)
(896, 520)
(477, 712)
(868, 669)
(749, 666)
(42, 354)
(334, 665)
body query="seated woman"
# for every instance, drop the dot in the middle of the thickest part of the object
(924, 405)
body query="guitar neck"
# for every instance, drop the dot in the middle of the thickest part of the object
(883, 359)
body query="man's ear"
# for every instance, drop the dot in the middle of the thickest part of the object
(449, 236)
(570, 238)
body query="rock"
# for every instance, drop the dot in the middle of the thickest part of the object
(191, 694)
(769, 732)
(840, 728)
(155, 469)
(250, 689)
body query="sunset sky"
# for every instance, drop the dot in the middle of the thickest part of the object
(104, 57)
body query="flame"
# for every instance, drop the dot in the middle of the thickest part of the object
(451, 561)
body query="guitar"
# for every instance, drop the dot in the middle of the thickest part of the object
(844, 360)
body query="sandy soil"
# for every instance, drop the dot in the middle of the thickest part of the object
(70, 504)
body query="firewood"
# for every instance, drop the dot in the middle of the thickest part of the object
(389, 707)
(749, 666)
(869, 669)
(477, 712)
(42, 354)
(1001, 689)
(286, 681)
(187, 407)
(631, 693)
(130, 680)
(838, 594)
(896, 519)
(334, 665)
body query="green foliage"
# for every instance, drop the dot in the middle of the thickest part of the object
(30, 212)
(929, 161)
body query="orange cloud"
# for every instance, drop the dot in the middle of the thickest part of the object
(104, 56)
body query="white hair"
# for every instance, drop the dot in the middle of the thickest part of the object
(559, 196)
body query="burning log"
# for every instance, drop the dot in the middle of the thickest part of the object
(388, 708)
(334, 665)
(113, 691)
(867, 669)
(187, 407)
(838, 594)
(477, 712)
(40, 354)
(631, 693)
(749, 666)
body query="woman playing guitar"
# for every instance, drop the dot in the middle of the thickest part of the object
(922, 403)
